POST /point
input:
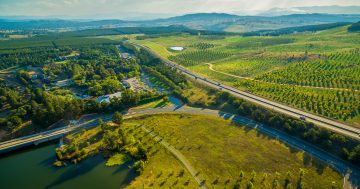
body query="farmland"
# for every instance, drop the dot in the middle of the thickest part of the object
(314, 71)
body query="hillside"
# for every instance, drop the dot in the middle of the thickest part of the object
(203, 21)
(313, 9)
(354, 27)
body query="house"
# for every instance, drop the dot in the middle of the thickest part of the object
(134, 85)
(69, 57)
(106, 98)
(64, 83)
(126, 55)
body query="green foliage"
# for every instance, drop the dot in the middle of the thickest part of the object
(98, 69)
(191, 58)
(49, 41)
(290, 30)
(161, 77)
(48, 108)
(354, 154)
(260, 42)
(117, 117)
(338, 104)
(202, 45)
(139, 166)
(193, 136)
(34, 57)
(117, 159)
(304, 130)
(340, 70)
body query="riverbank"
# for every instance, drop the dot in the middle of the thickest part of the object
(33, 168)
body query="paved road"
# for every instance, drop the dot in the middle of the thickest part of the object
(316, 119)
(178, 155)
(338, 164)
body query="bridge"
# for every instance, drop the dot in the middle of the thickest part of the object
(350, 171)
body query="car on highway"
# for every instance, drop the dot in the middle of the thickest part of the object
(302, 118)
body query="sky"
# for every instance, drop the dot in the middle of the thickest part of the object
(125, 9)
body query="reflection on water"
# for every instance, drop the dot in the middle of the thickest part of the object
(32, 168)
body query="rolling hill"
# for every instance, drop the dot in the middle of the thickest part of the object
(203, 21)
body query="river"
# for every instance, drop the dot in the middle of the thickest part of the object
(32, 168)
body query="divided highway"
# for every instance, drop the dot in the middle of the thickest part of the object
(351, 172)
(324, 122)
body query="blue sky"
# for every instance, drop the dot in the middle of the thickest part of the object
(148, 8)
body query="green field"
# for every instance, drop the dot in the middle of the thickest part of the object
(162, 169)
(221, 150)
(315, 71)
(46, 41)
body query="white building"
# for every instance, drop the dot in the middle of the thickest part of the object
(106, 98)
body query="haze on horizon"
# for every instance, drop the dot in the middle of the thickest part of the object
(147, 9)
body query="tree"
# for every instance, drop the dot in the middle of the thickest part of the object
(249, 185)
(139, 166)
(253, 176)
(166, 99)
(288, 179)
(237, 185)
(117, 117)
(102, 124)
(354, 155)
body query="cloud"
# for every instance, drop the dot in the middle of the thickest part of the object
(126, 8)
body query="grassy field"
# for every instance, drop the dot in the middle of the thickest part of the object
(162, 169)
(221, 150)
(288, 69)
(154, 104)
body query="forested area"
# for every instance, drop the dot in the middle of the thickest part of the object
(41, 107)
(354, 27)
(160, 70)
(290, 30)
(33, 57)
(98, 70)
(92, 70)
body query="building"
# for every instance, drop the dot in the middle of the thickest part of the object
(106, 98)
(64, 83)
(134, 85)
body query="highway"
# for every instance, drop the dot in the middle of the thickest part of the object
(321, 121)
(345, 168)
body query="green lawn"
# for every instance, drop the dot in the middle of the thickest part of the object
(154, 104)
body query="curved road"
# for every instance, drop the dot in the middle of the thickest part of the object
(321, 121)
(351, 171)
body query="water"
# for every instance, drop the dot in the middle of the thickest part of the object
(32, 169)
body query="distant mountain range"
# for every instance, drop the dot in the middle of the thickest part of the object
(202, 21)
(314, 9)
